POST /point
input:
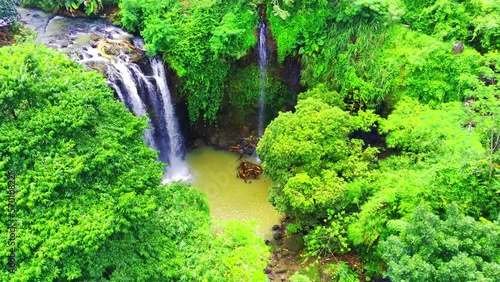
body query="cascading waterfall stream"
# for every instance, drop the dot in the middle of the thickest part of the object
(262, 49)
(142, 89)
(178, 168)
(137, 91)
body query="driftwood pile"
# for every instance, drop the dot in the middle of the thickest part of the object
(248, 170)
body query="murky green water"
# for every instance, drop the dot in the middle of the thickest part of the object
(214, 172)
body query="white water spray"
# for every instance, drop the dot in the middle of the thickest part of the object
(177, 169)
(262, 49)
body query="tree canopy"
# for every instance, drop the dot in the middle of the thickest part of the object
(400, 116)
(391, 153)
(88, 200)
(199, 39)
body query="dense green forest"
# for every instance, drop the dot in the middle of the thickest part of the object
(391, 154)
(89, 205)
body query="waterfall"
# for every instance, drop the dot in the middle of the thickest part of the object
(143, 90)
(120, 72)
(178, 167)
(143, 95)
(262, 49)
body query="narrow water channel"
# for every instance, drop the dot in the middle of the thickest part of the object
(214, 172)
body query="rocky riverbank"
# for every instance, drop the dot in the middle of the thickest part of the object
(285, 257)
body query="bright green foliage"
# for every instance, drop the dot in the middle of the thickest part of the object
(199, 39)
(457, 248)
(331, 238)
(343, 62)
(89, 204)
(232, 38)
(454, 154)
(91, 7)
(297, 277)
(486, 107)
(242, 91)
(83, 202)
(321, 92)
(338, 48)
(344, 273)
(419, 66)
(417, 128)
(441, 136)
(309, 156)
(355, 56)
(351, 11)
(439, 162)
(475, 21)
(369, 64)
(356, 49)
(234, 255)
(295, 27)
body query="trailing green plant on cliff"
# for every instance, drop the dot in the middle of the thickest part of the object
(476, 22)
(199, 39)
(456, 248)
(90, 7)
(243, 92)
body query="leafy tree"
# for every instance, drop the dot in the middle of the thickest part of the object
(486, 108)
(309, 156)
(417, 128)
(235, 255)
(89, 204)
(437, 162)
(457, 248)
(475, 21)
(330, 238)
(80, 194)
(291, 23)
(88, 6)
(358, 49)
(440, 135)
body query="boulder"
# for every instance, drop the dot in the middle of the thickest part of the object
(99, 66)
(277, 236)
(294, 243)
(458, 47)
